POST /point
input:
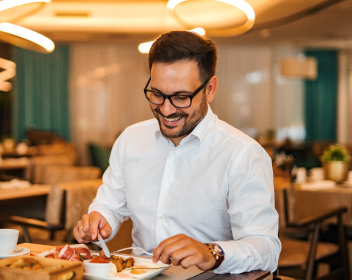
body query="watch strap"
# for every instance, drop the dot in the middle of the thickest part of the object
(217, 253)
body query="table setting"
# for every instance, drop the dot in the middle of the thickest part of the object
(77, 261)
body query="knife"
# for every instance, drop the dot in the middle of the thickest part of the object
(103, 246)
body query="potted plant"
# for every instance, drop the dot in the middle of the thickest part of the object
(335, 160)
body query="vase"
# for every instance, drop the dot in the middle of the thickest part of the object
(336, 170)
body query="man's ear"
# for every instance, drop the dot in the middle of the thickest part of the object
(211, 88)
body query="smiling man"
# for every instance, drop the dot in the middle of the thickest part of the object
(198, 191)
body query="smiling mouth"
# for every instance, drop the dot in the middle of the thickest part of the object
(172, 119)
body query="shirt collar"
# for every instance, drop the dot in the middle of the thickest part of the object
(200, 130)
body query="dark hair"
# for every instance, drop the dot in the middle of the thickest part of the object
(182, 45)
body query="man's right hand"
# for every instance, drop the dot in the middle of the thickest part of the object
(87, 228)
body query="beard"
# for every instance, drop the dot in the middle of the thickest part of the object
(190, 121)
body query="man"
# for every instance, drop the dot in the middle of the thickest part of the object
(199, 192)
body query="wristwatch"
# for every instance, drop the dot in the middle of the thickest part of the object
(217, 253)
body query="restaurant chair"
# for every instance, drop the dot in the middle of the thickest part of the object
(39, 163)
(72, 186)
(301, 259)
(54, 174)
(99, 155)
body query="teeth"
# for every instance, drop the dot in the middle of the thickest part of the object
(172, 120)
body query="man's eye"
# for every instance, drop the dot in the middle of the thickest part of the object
(180, 97)
(156, 94)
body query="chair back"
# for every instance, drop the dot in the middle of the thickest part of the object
(68, 201)
(55, 174)
(39, 163)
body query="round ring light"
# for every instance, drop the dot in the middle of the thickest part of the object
(11, 10)
(242, 5)
(25, 38)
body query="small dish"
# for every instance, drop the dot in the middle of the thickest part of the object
(99, 269)
(19, 251)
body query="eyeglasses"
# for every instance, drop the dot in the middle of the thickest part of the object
(178, 100)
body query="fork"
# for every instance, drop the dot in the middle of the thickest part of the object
(133, 248)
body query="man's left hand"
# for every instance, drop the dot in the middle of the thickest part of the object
(185, 251)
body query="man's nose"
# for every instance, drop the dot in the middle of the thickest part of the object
(167, 108)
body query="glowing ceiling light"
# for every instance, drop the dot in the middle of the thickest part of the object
(7, 4)
(25, 38)
(11, 10)
(145, 47)
(8, 73)
(230, 31)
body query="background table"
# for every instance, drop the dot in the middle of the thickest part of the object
(312, 202)
(27, 202)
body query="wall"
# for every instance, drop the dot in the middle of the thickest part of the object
(107, 82)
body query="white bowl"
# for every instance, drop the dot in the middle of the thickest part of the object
(99, 269)
(8, 241)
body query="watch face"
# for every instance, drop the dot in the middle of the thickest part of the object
(217, 249)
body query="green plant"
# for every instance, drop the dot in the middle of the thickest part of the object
(335, 152)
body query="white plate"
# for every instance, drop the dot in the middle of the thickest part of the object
(137, 260)
(24, 251)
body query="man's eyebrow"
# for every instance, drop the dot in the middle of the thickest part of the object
(176, 92)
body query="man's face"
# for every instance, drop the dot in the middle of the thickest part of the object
(170, 78)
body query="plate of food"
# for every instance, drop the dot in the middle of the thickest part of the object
(128, 267)
(123, 266)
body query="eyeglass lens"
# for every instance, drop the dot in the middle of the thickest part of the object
(176, 100)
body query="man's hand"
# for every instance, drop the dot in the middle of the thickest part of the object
(86, 229)
(185, 251)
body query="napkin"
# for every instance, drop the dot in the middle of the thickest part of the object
(15, 183)
(318, 185)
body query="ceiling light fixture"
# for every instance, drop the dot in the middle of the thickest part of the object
(16, 9)
(8, 73)
(224, 23)
(25, 38)
(145, 47)
(11, 10)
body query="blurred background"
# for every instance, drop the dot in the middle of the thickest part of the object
(90, 88)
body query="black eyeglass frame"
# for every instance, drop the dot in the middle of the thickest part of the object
(165, 96)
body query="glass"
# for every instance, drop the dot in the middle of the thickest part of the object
(178, 100)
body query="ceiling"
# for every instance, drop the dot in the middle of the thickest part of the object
(301, 22)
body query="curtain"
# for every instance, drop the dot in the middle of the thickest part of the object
(41, 98)
(321, 98)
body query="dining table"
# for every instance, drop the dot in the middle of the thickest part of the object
(29, 201)
(14, 167)
(315, 200)
(174, 272)
(312, 198)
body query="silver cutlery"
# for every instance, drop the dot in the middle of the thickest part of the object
(103, 246)
(134, 248)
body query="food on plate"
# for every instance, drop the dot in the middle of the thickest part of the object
(77, 253)
(99, 259)
(122, 263)
(31, 264)
(138, 271)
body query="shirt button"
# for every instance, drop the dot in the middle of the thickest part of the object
(161, 217)
(167, 185)
(173, 153)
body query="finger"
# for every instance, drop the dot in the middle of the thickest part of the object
(105, 230)
(85, 223)
(77, 235)
(95, 220)
(157, 252)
